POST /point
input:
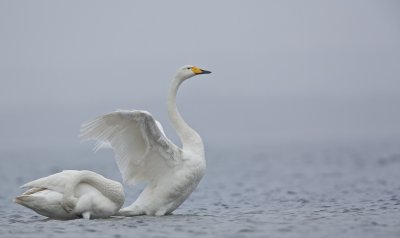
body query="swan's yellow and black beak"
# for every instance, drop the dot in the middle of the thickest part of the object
(200, 71)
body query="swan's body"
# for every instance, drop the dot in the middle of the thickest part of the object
(73, 194)
(145, 154)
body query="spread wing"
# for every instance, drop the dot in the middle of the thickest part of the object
(142, 150)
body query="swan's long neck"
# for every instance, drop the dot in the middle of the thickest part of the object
(109, 188)
(190, 139)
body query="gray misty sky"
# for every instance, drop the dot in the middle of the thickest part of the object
(282, 70)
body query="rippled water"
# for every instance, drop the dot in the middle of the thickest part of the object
(285, 191)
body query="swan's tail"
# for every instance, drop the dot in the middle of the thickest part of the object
(129, 212)
(19, 200)
(25, 200)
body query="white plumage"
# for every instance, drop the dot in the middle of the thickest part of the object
(145, 154)
(73, 194)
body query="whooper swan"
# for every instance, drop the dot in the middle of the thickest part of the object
(73, 194)
(145, 154)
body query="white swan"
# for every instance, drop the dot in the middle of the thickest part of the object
(144, 153)
(73, 194)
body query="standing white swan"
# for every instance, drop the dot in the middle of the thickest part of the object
(73, 194)
(144, 153)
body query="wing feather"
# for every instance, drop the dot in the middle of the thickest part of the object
(57, 182)
(143, 152)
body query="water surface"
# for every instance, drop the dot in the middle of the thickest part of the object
(281, 191)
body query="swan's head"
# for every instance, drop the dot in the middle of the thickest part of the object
(189, 71)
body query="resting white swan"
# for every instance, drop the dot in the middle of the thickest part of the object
(144, 153)
(73, 194)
